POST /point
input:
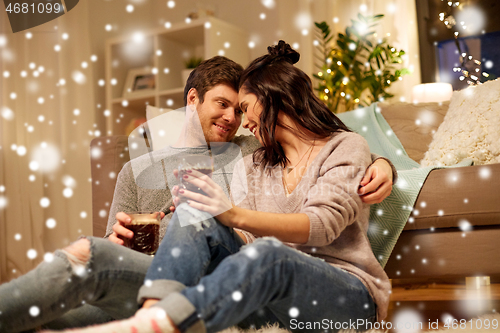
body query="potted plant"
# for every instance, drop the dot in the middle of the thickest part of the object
(190, 64)
(358, 67)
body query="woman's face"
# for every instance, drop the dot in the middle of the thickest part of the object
(252, 110)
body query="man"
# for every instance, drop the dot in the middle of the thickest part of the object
(105, 278)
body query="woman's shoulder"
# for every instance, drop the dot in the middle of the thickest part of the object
(345, 138)
(345, 148)
(345, 135)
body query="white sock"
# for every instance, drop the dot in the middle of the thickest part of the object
(152, 320)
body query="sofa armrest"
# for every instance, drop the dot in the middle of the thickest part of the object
(454, 227)
(452, 195)
(108, 156)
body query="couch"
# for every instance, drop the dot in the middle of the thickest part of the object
(452, 231)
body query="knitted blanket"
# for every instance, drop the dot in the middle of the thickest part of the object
(388, 218)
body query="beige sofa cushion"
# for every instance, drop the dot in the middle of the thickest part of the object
(414, 124)
(441, 204)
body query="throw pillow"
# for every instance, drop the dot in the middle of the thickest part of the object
(470, 129)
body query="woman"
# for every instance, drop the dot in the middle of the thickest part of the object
(302, 191)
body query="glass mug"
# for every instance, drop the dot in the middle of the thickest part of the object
(146, 229)
(200, 163)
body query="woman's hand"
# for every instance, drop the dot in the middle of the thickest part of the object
(376, 185)
(215, 202)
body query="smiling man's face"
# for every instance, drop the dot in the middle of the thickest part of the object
(219, 114)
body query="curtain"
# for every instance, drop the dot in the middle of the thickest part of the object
(46, 124)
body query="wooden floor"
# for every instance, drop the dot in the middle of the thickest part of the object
(443, 292)
(437, 301)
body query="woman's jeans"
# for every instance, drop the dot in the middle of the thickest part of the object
(206, 281)
(106, 286)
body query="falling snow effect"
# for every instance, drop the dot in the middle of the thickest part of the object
(251, 252)
(96, 152)
(176, 252)
(3, 202)
(303, 21)
(270, 4)
(408, 316)
(34, 311)
(485, 172)
(45, 158)
(48, 257)
(464, 225)
(69, 181)
(31, 254)
(44, 202)
(237, 296)
(67, 192)
(50, 223)
(79, 270)
(78, 77)
(82, 74)
(7, 113)
(293, 312)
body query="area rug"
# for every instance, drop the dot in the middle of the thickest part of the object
(476, 325)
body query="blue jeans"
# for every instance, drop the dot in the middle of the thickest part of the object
(207, 280)
(107, 288)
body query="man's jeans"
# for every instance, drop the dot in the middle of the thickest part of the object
(207, 281)
(107, 286)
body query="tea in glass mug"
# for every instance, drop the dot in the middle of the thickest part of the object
(146, 229)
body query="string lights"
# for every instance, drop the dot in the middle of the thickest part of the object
(469, 69)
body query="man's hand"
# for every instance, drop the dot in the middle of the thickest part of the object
(376, 185)
(119, 229)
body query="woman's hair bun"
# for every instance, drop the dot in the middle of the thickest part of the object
(283, 51)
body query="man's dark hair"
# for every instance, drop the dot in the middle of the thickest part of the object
(282, 87)
(212, 72)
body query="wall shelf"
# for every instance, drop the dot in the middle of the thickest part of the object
(164, 51)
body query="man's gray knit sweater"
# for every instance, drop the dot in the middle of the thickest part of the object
(144, 183)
